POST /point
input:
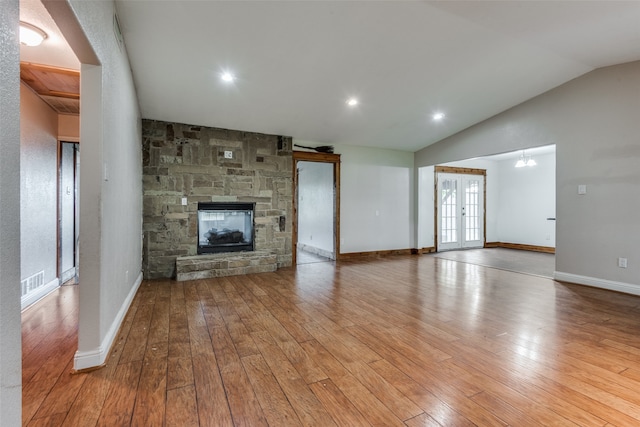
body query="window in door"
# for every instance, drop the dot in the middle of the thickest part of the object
(460, 219)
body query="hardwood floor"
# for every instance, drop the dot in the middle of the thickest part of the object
(405, 340)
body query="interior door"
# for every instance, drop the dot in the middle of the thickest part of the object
(67, 210)
(460, 211)
(316, 210)
(328, 198)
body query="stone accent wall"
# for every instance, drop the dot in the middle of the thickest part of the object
(182, 160)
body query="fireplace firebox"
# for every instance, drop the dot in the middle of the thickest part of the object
(225, 227)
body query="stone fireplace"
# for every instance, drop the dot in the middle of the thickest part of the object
(186, 167)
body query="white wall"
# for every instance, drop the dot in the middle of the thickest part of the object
(526, 198)
(38, 186)
(315, 206)
(376, 201)
(426, 204)
(593, 120)
(10, 349)
(110, 178)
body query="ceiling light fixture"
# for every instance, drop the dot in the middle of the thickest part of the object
(227, 77)
(524, 160)
(30, 35)
(438, 116)
(352, 102)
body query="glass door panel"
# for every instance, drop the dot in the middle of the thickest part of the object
(460, 211)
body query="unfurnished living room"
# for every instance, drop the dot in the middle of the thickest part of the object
(226, 213)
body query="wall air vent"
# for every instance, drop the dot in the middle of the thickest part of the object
(117, 32)
(31, 283)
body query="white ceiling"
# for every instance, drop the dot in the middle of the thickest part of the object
(298, 61)
(54, 50)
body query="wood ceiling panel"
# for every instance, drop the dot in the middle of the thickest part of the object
(58, 87)
(62, 105)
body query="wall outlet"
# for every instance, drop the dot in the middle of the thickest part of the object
(622, 262)
(228, 154)
(582, 189)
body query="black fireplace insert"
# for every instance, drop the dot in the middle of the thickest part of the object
(225, 227)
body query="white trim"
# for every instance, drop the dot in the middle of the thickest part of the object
(39, 293)
(97, 356)
(627, 288)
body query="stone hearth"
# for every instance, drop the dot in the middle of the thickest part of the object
(225, 264)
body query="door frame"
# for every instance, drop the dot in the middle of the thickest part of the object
(305, 156)
(76, 145)
(459, 171)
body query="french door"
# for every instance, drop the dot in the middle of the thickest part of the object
(460, 211)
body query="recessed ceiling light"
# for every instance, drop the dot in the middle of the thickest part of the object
(227, 77)
(438, 116)
(30, 35)
(352, 102)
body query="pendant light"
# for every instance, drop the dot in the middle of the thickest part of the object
(524, 160)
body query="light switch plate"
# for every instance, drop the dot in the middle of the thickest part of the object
(582, 189)
(184, 201)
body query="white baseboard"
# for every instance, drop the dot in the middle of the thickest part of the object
(39, 293)
(68, 275)
(627, 288)
(97, 357)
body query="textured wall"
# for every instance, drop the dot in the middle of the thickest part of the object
(110, 186)
(39, 187)
(188, 161)
(10, 351)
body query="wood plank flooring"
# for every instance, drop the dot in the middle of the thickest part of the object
(404, 340)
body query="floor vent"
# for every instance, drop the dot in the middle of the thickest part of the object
(32, 282)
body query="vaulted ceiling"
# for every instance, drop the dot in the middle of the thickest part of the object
(297, 62)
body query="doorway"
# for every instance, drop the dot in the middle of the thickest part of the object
(316, 207)
(68, 230)
(460, 215)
